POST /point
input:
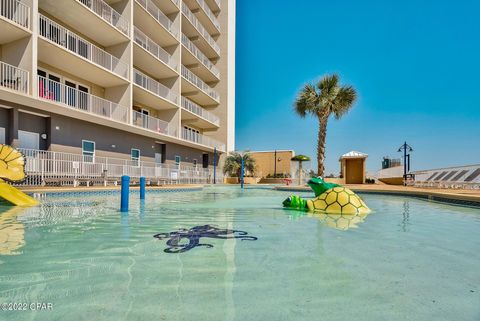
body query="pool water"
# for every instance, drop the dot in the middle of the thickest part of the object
(409, 260)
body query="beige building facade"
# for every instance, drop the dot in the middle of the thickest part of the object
(145, 79)
(271, 162)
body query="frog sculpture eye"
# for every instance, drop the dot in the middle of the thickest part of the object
(12, 164)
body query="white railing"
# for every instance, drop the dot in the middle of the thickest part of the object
(153, 124)
(46, 167)
(74, 98)
(148, 44)
(202, 139)
(158, 15)
(200, 56)
(209, 13)
(81, 47)
(15, 11)
(194, 21)
(194, 79)
(199, 111)
(108, 14)
(13, 77)
(154, 86)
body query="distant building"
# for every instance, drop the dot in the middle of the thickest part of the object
(273, 162)
(388, 162)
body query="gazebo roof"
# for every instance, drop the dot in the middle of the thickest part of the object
(354, 154)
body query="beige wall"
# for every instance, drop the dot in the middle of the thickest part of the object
(266, 162)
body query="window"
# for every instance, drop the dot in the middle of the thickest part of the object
(194, 163)
(2, 135)
(28, 140)
(192, 134)
(88, 151)
(135, 153)
(177, 160)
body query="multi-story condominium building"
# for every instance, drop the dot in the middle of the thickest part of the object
(134, 79)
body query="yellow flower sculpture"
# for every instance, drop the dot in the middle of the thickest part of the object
(12, 164)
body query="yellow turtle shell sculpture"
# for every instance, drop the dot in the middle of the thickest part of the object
(338, 200)
(331, 199)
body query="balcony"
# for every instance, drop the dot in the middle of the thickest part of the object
(205, 15)
(13, 78)
(202, 139)
(151, 93)
(206, 69)
(214, 5)
(150, 56)
(69, 97)
(192, 27)
(198, 116)
(14, 21)
(94, 18)
(153, 124)
(61, 48)
(197, 90)
(147, 16)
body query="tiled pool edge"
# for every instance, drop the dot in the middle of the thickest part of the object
(457, 199)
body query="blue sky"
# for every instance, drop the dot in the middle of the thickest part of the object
(415, 65)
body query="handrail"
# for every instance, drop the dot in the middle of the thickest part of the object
(107, 13)
(74, 98)
(153, 124)
(199, 111)
(13, 77)
(152, 47)
(199, 54)
(194, 79)
(154, 86)
(81, 47)
(201, 29)
(202, 139)
(16, 11)
(158, 15)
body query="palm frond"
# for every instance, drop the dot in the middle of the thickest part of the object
(307, 100)
(344, 101)
(328, 84)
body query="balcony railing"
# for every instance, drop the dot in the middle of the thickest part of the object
(199, 111)
(15, 11)
(153, 124)
(153, 48)
(200, 56)
(81, 47)
(194, 79)
(209, 13)
(202, 139)
(194, 21)
(158, 15)
(108, 14)
(80, 100)
(154, 86)
(13, 78)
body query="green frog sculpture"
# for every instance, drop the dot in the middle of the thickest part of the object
(330, 198)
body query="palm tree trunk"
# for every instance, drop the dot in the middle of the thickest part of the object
(322, 134)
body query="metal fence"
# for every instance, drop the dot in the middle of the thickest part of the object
(66, 169)
(108, 14)
(158, 15)
(201, 29)
(76, 44)
(16, 11)
(194, 79)
(154, 86)
(13, 77)
(152, 47)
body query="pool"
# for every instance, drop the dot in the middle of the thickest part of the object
(409, 260)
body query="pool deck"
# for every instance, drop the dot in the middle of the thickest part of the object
(430, 193)
(55, 189)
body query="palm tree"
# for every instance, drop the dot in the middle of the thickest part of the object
(232, 165)
(321, 101)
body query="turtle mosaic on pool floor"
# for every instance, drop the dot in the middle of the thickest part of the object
(193, 235)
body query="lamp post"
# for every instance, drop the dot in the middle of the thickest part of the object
(406, 160)
(275, 164)
(215, 165)
(242, 170)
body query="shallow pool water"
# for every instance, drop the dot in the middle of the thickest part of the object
(408, 260)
